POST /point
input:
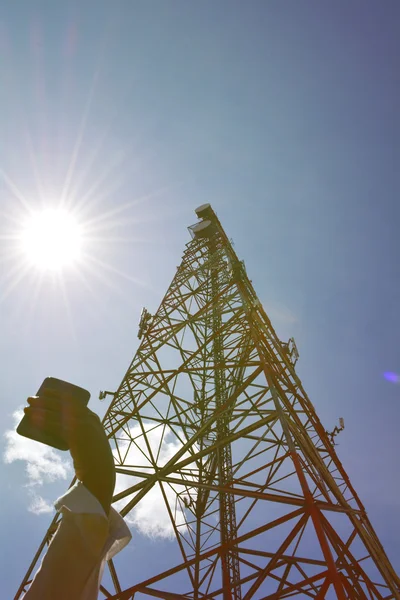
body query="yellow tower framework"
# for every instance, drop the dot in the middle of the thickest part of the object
(258, 501)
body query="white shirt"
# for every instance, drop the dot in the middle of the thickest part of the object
(86, 538)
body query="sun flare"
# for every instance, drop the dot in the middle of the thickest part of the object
(52, 239)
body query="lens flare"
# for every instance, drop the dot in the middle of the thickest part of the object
(392, 377)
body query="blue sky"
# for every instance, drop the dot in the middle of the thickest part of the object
(282, 115)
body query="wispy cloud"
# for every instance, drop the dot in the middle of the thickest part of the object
(280, 313)
(42, 465)
(39, 505)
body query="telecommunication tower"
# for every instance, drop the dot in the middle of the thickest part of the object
(258, 502)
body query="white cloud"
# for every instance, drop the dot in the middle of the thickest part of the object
(39, 505)
(150, 516)
(42, 464)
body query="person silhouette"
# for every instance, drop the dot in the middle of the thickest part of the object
(90, 531)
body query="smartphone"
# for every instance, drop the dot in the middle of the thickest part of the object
(27, 428)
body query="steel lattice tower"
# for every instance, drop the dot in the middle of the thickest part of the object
(258, 501)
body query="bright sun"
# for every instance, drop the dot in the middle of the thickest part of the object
(52, 239)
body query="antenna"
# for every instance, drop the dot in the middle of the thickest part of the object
(336, 431)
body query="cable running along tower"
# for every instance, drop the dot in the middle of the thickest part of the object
(212, 416)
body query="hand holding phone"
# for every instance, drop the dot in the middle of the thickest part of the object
(40, 431)
(63, 417)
